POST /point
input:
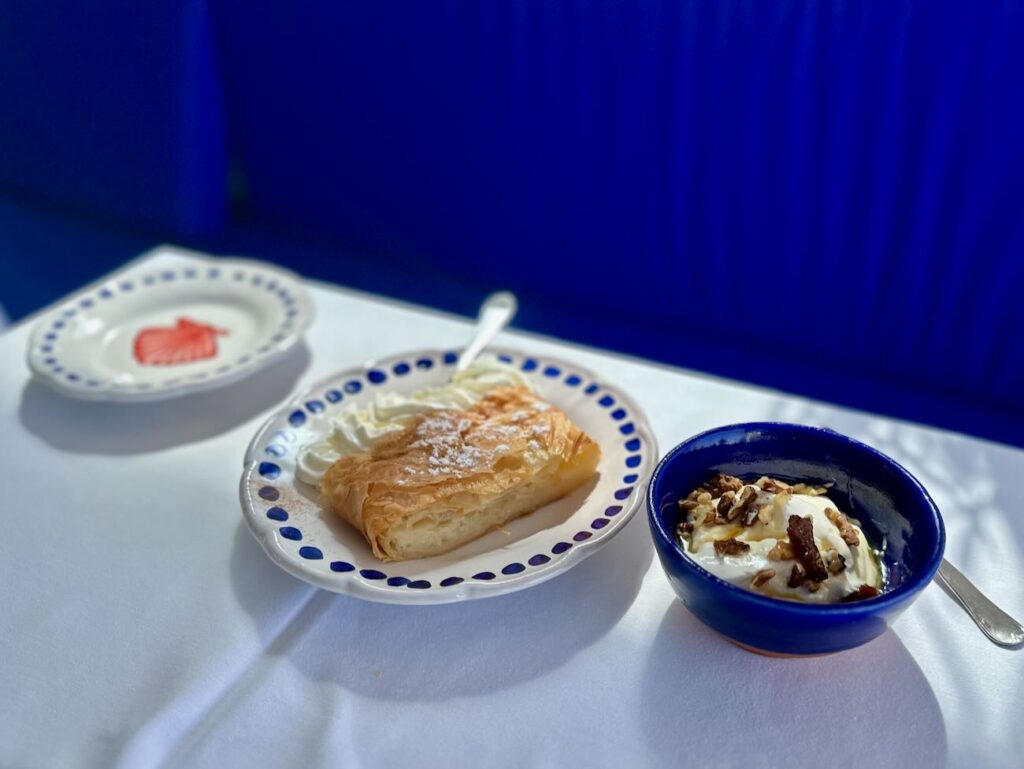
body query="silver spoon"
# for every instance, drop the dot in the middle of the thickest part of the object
(1000, 627)
(495, 313)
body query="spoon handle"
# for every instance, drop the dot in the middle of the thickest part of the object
(1000, 627)
(495, 313)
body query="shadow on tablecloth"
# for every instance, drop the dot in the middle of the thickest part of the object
(117, 429)
(706, 702)
(429, 653)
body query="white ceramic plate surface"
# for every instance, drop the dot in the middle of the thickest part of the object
(171, 331)
(314, 545)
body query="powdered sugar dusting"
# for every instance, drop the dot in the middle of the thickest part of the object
(458, 445)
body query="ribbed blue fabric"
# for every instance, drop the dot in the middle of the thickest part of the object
(113, 108)
(838, 182)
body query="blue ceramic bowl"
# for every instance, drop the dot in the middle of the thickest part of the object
(889, 502)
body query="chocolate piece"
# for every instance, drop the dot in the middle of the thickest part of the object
(861, 593)
(730, 547)
(781, 552)
(846, 530)
(801, 538)
(762, 576)
(796, 577)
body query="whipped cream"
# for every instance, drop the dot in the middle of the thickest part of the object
(356, 428)
(861, 564)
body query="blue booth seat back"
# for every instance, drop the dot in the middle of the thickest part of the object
(837, 182)
(113, 108)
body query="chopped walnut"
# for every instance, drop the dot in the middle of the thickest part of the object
(762, 576)
(704, 498)
(782, 551)
(688, 504)
(834, 562)
(775, 507)
(765, 513)
(719, 483)
(796, 576)
(685, 529)
(747, 500)
(726, 502)
(811, 491)
(710, 518)
(771, 484)
(862, 592)
(812, 587)
(846, 530)
(801, 537)
(730, 547)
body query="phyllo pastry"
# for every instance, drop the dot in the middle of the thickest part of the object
(454, 474)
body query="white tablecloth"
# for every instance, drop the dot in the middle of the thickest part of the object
(142, 625)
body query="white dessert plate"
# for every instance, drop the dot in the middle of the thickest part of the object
(171, 331)
(314, 545)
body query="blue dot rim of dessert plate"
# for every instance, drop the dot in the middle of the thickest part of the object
(267, 283)
(275, 444)
(893, 508)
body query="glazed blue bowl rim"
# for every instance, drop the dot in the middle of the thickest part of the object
(918, 579)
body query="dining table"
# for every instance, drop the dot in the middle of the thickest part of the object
(142, 625)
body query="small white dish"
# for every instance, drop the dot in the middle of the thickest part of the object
(170, 331)
(313, 544)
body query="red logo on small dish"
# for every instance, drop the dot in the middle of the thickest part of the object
(186, 342)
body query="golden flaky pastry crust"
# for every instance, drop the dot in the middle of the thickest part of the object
(454, 474)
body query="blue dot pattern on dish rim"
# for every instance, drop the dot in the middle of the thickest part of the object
(113, 288)
(333, 397)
